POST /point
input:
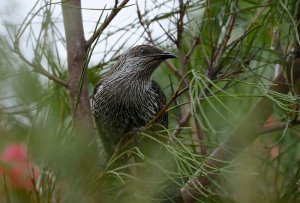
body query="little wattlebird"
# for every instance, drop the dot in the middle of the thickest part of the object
(126, 99)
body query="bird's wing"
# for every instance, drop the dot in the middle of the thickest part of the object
(161, 100)
(99, 83)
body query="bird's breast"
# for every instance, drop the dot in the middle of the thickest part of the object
(117, 107)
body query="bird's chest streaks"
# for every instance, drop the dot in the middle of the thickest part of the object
(126, 99)
(126, 110)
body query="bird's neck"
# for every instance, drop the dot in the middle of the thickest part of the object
(127, 87)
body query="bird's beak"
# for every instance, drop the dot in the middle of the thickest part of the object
(166, 55)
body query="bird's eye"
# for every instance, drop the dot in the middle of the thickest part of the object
(143, 51)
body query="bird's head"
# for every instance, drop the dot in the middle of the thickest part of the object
(141, 61)
(148, 53)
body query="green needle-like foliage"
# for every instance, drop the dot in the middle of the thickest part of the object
(229, 55)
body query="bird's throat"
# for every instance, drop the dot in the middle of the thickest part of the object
(129, 89)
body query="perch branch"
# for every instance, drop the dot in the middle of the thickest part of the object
(240, 137)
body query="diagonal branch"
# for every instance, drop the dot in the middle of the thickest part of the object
(38, 67)
(220, 52)
(241, 137)
(176, 94)
(41, 70)
(152, 41)
(277, 127)
(107, 21)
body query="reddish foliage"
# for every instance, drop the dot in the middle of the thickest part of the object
(275, 151)
(270, 122)
(17, 168)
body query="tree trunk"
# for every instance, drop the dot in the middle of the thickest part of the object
(76, 51)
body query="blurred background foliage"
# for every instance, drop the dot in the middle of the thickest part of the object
(228, 52)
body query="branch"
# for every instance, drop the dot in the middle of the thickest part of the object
(184, 58)
(279, 126)
(41, 70)
(107, 21)
(200, 136)
(221, 50)
(195, 42)
(76, 52)
(83, 125)
(208, 11)
(151, 40)
(182, 122)
(241, 137)
(180, 23)
(38, 67)
(167, 33)
(176, 94)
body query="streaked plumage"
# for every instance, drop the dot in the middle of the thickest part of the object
(127, 98)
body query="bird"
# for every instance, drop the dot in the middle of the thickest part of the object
(127, 98)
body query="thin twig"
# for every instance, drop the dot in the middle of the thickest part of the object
(173, 69)
(277, 127)
(33, 182)
(176, 102)
(107, 21)
(206, 57)
(41, 70)
(195, 42)
(182, 122)
(16, 47)
(152, 41)
(169, 35)
(184, 58)
(174, 97)
(220, 51)
(208, 10)
(200, 135)
(38, 67)
(180, 23)
(238, 139)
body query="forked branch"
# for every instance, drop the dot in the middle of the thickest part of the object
(107, 21)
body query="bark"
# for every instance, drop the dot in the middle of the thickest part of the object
(86, 155)
(76, 52)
